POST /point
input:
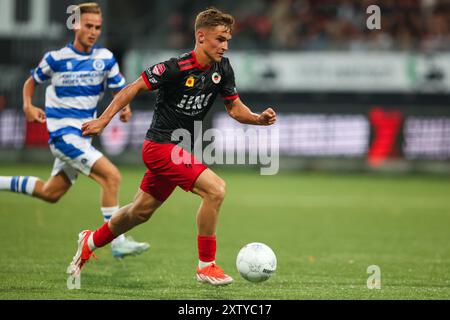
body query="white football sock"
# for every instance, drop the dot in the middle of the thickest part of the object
(5, 183)
(19, 184)
(90, 241)
(107, 214)
(202, 264)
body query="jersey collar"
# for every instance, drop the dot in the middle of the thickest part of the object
(198, 65)
(70, 45)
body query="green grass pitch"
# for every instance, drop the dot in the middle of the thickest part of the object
(325, 229)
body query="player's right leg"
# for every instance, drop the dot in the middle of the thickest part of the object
(129, 216)
(79, 155)
(19, 184)
(105, 173)
(53, 189)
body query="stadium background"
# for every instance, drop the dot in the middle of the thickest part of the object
(349, 100)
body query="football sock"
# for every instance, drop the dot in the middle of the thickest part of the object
(107, 214)
(206, 250)
(100, 237)
(19, 184)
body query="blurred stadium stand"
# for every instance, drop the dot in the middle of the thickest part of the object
(348, 97)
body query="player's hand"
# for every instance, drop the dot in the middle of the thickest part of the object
(34, 114)
(267, 117)
(93, 127)
(126, 113)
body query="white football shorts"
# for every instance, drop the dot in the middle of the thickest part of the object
(73, 154)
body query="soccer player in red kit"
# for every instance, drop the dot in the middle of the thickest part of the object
(188, 86)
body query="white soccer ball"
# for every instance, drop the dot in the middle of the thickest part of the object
(256, 262)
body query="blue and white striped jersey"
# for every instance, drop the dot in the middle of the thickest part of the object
(78, 81)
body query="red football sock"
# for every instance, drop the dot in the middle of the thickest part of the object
(102, 236)
(206, 248)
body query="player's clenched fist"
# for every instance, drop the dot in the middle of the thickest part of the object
(93, 127)
(267, 117)
(34, 114)
(126, 113)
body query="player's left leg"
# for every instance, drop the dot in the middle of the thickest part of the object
(192, 175)
(211, 188)
(105, 173)
(108, 176)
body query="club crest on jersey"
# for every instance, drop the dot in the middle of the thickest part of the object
(190, 82)
(69, 65)
(99, 65)
(216, 77)
(159, 69)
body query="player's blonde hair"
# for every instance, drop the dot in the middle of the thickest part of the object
(90, 7)
(213, 17)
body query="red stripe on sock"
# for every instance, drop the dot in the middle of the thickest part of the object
(206, 248)
(102, 236)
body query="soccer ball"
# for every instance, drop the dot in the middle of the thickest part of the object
(256, 262)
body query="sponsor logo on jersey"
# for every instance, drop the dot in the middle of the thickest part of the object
(190, 82)
(194, 102)
(216, 77)
(152, 80)
(159, 69)
(99, 65)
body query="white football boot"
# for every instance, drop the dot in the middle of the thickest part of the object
(127, 247)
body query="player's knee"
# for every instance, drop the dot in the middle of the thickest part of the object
(114, 179)
(142, 215)
(52, 197)
(218, 191)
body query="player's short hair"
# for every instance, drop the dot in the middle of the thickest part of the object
(90, 7)
(213, 17)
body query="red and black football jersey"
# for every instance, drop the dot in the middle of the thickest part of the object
(186, 92)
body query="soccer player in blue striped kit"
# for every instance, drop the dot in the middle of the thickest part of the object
(78, 73)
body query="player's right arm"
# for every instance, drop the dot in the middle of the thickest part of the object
(120, 101)
(151, 79)
(32, 113)
(43, 72)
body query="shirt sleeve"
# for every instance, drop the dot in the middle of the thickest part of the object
(44, 71)
(160, 74)
(228, 90)
(115, 81)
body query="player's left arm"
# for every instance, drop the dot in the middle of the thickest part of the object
(240, 112)
(125, 114)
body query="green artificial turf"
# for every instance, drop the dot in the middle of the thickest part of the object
(326, 229)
